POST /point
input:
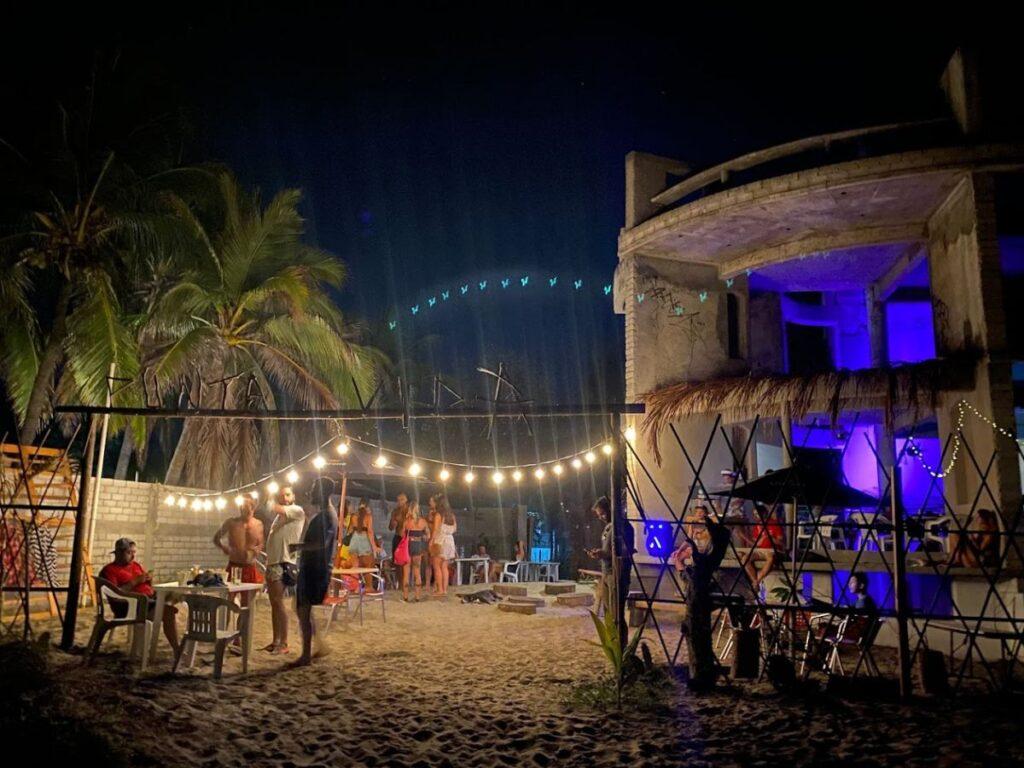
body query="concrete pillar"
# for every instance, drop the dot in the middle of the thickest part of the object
(966, 284)
(646, 176)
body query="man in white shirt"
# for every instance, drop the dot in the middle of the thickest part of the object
(285, 533)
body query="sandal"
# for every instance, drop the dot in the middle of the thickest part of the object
(281, 650)
(269, 648)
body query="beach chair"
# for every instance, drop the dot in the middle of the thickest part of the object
(337, 597)
(134, 615)
(376, 594)
(857, 632)
(204, 627)
(510, 572)
(831, 533)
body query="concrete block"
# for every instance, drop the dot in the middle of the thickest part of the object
(509, 589)
(559, 589)
(528, 610)
(576, 600)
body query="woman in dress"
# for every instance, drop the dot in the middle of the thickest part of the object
(444, 538)
(418, 532)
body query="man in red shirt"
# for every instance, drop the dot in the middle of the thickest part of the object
(767, 542)
(128, 575)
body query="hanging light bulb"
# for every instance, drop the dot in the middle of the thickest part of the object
(539, 473)
(590, 457)
(469, 477)
(342, 449)
(239, 500)
(221, 502)
(443, 475)
(182, 502)
(498, 477)
(170, 500)
(254, 494)
(381, 461)
(517, 475)
(273, 487)
(606, 449)
(196, 505)
(319, 461)
(292, 477)
(207, 505)
(631, 433)
(557, 469)
(577, 464)
(415, 469)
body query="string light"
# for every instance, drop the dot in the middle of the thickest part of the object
(319, 461)
(606, 449)
(590, 457)
(381, 461)
(962, 407)
(631, 433)
(498, 477)
(182, 502)
(207, 505)
(220, 503)
(196, 505)
(577, 464)
(239, 500)
(443, 475)
(342, 449)
(517, 475)
(273, 487)
(169, 501)
(539, 473)
(292, 477)
(469, 477)
(415, 469)
(557, 469)
(254, 494)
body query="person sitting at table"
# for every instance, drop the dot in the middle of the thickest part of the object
(479, 571)
(417, 530)
(244, 533)
(128, 575)
(978, 544)
(316, 557)
(518, 556)
(285, 532)
(766, 544)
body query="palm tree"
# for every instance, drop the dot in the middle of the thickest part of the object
(251, 324)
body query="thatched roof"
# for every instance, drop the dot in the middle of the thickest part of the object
(910, 388)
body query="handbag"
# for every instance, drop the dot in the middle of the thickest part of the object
(401, 554)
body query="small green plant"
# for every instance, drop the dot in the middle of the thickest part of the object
(609, 642)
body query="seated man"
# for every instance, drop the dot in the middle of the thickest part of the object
(766, 544)
(128, 575)
(481, 551)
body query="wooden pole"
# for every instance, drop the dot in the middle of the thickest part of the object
(618, 487)
(900, 575)
(99, 463)
(78, 545)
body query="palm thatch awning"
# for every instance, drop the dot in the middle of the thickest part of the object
(912, 388)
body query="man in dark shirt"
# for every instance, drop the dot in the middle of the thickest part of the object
(316, 559)
(625, 547)
(707, 553)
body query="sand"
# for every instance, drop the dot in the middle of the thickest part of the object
(442, 683)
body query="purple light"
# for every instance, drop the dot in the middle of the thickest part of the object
(910, 333)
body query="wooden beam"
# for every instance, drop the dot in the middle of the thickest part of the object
(883, 287)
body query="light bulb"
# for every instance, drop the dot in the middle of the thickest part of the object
(319, 461)
(517, 475)
(239, 500)
(557, 469)
(631, 433)
(590, 457)
(498, 478)
(207, 505)
(606, 449)
(273, 487)
(577, 464)
(182, 502)
(221, 502)
(381, 461)
(469, 477)
(415, 469)
(443, 475)
(342, 449)
(539, 473)
(292, 477)
(254, 494)
(196, 505)
(170, 500)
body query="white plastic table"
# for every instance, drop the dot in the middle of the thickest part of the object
(163, 591)
(533, 568)
(473, 562)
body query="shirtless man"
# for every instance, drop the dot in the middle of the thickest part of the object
(244, 535)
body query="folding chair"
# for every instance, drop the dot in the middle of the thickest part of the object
(374, 595)
(337, 596)
(854, 632)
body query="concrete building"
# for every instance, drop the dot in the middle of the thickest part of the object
(873, 255)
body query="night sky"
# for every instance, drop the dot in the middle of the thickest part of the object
(440, 146)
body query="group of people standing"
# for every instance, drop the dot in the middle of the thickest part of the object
(430, 540)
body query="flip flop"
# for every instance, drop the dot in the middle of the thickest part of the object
(269, 648)
(281, 650)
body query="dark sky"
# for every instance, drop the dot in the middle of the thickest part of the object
(438, 145)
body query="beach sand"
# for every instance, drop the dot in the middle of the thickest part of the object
(442, 683)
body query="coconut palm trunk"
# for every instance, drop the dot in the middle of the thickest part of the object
(47, 367)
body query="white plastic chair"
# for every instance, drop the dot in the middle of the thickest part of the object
(510, 572)
(936, 530)
(866, 537)
(371, 596)
(204, 627)
(832, 536)
(135, 618)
